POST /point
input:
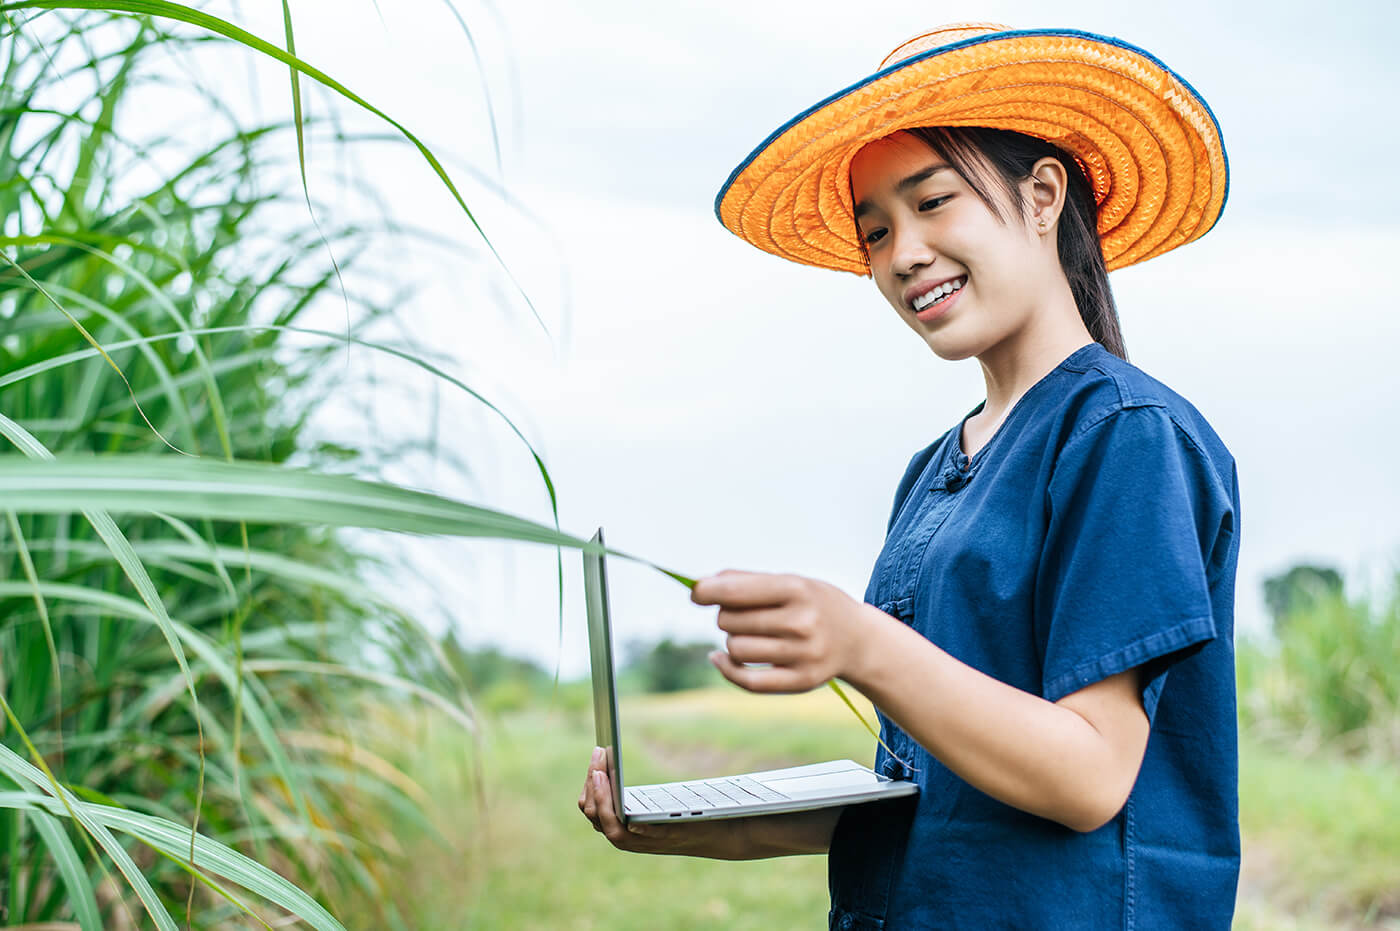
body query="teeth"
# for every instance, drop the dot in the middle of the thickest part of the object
(938, 293)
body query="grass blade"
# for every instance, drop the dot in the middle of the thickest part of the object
(258, 492)
(172, 840)
(81, 896)
(32, 576)
(12, 765)
(136, 573)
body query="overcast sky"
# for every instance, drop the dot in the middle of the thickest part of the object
(713, 406)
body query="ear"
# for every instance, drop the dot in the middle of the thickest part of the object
(1045, 191)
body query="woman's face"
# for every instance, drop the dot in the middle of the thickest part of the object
(958, 276)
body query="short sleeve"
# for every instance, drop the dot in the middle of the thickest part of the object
(1135, 509)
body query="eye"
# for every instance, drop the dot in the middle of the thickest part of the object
(935, 202)
(874, 236)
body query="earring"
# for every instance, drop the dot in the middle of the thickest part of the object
(1043, 224)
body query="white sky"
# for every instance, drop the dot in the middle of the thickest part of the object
(713, 406)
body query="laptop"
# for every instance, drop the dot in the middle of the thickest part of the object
(797, 788)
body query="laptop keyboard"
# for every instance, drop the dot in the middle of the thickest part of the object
(709, 795)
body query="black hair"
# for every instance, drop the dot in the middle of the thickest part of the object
(971, 150)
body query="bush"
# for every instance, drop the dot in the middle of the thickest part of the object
(481, 669)
(1331, 675)
(503, 683)
(1298, 590)
(668, 666)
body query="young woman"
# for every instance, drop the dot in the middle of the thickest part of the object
(1047, 633)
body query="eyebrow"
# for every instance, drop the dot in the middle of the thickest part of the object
(913, 180)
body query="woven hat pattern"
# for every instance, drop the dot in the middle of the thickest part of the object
(1148, 144)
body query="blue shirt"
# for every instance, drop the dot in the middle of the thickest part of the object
(1097, 531)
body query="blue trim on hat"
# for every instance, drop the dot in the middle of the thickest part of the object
(965, 43)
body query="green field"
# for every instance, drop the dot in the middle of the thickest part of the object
(1322, 847)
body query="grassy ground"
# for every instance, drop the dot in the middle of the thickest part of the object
(1325, 835)
(534, 862)
(1321, 839)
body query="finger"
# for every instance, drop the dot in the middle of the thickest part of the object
(589, 804)
(591, 801)
(744, 589)
(776, 679)
(608, 821)
(593, 763)
(595, 806)
(763, 622)
(775, 650)
(607, 811)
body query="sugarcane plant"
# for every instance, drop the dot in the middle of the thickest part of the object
(179, 618)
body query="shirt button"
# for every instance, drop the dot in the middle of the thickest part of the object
(963, 462)
(847, 922)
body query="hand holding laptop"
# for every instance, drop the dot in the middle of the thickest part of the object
(751, 838)
(720, 840)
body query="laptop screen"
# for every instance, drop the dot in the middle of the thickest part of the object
(605, 726)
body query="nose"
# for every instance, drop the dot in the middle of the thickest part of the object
(910, 250)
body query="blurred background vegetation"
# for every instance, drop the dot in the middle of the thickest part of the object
(1328, 676)
(188, 255)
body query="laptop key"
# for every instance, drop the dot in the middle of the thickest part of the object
(636, 801)
(712, 796)
(727, 796)
(687, 797)
(750, 788)
(763, 792)
(664, 800)
(735, 794)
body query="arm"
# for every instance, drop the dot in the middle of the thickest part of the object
(727, 839)
(1073, 761)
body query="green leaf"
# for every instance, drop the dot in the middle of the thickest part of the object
(64, 802)
(204, 650)
(171, 839)
(81, 895)
(262, 493)
(135, 572)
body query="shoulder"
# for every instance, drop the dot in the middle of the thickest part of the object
(1100, 390)
(1133, 467)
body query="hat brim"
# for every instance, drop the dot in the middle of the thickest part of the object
(1149, 145)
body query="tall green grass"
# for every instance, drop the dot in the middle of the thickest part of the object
(184, 667)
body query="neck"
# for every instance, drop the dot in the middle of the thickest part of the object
(1012, 366)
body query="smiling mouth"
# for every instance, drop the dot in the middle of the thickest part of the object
(939, 294)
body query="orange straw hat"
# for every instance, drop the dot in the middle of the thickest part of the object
(1146, 141)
